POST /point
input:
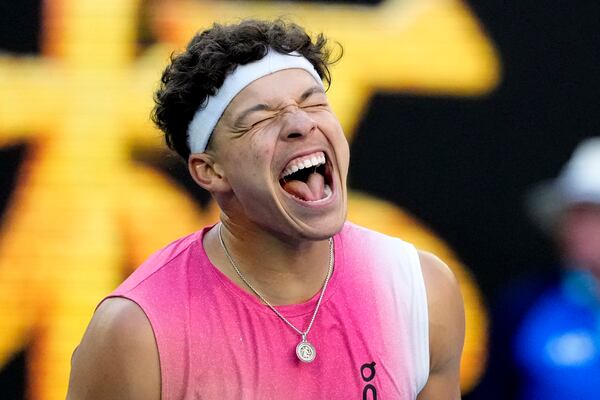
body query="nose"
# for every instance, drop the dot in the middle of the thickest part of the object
(297, 123)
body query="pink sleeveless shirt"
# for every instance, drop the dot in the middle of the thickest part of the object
(215, 341)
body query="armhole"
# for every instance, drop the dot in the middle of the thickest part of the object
(420, 327)
(162, 375)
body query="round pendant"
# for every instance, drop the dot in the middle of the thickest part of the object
(305, 351)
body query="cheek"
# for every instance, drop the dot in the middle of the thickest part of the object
(256, 159)
(346, 150)
(261, 143)
(342, 148)
(251, 152)
(261, 152)
(331, 125)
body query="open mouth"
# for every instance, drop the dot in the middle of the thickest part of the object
(307, 178)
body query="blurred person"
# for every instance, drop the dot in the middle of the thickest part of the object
(546, 331)
(283, 298)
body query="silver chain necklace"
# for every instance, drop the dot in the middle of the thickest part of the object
(304, 350)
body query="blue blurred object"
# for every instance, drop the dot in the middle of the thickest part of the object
(557, 346)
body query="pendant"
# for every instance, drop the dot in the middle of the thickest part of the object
(305, 351)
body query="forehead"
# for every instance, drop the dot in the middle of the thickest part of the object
(274, 89)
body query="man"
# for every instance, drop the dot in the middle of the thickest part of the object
(546, 338)
(556, 345)
(283, 298)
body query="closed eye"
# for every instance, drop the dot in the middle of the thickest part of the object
(261, 121)
(315, 100)
(318, 105)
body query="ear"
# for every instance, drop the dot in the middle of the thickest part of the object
(207, 173)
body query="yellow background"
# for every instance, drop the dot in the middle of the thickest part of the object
(83, 213)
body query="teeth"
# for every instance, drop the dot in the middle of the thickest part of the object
(296, 165)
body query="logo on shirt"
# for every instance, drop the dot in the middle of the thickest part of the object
(367, 372)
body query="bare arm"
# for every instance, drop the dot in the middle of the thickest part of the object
(117, 357)
(446, 330)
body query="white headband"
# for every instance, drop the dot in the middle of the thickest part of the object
(205, 119)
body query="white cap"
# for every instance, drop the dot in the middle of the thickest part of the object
(577, 183)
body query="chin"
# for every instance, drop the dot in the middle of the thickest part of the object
(322, 228)
(316, 220)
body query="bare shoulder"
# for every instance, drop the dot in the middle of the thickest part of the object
(446, 328)
(117, 357)
(439, 279)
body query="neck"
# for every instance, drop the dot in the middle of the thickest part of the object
(283, 272)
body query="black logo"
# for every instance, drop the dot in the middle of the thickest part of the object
(367, 371)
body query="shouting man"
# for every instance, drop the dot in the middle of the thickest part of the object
(282, 299)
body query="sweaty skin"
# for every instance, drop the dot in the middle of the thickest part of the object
(281, 238)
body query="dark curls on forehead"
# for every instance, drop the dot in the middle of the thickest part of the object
(197, 73)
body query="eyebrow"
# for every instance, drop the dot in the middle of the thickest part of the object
(266, 107)
(309, 92)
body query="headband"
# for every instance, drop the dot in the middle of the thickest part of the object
(206, 118)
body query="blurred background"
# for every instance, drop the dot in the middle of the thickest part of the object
(453, 110)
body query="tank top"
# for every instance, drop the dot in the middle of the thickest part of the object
(216, 341)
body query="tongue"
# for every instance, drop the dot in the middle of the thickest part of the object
(312, 190)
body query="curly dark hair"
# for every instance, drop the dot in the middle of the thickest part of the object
(200, 70)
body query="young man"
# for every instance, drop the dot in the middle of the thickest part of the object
(283, 299)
